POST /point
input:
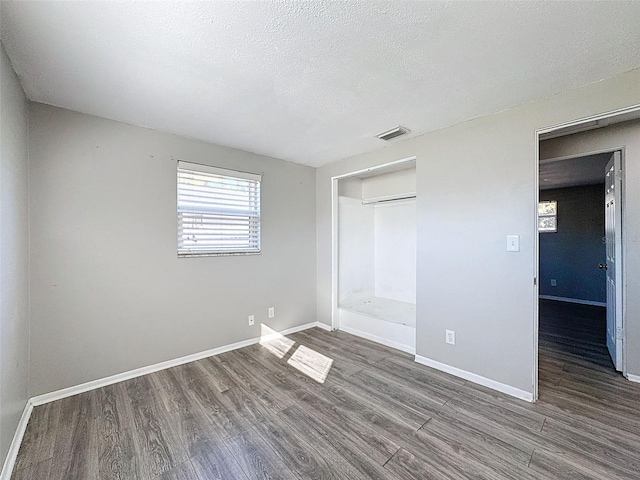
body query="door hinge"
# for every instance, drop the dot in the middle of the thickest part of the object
(535, 281)
(619, 333)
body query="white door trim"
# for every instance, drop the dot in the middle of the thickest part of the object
(631, 111)
(335, 318)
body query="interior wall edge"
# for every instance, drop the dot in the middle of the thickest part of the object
(14, 255)
(14, 448)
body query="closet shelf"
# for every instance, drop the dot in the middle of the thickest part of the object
(386, 309)
(389, 198)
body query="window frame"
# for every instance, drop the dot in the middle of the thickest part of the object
(548, 215)
(217, 206)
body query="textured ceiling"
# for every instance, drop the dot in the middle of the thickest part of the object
(311, 82)
(587, 170)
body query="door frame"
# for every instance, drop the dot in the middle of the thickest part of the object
(335, 318)
(576, 126)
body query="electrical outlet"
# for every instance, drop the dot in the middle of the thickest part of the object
(252, 320)
(450, 337)
(554, 283)
(272, 312)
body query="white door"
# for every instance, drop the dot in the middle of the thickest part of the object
(613, 267)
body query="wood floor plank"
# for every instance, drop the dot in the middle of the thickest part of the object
(317, 460)
(117, 459)
(249, 414)
(207, 397)
(420, 398)
(156, 447)
(407, 465)
(345, 362)
(598, 447)
(218, 377)
(233, 363)
(184, 471)
(190, 429)
(347, 432)
(257, 458)
(343, 388)
(550, 466)
(351, 458)
(337, 348)
(112, 409)
(76, 449)
(469, 437)
(215, 462)
(500, 415)
(353, 429)
(247, 409)
(39, 438)
(37, 471)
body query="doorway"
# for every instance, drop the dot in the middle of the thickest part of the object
(580, 267)
(374, 254)
(588, 136)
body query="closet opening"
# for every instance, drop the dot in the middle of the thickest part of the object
(374, 254)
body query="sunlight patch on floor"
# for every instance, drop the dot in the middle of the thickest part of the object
(311, 363)
(276, 343)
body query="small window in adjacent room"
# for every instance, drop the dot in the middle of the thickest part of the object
(218, 211)
(548, 216)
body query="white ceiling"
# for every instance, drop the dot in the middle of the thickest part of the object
(311, 82)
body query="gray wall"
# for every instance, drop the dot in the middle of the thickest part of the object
(625, 135)
(108, 293)
(572, 254)
(14, 259)
(476, 185)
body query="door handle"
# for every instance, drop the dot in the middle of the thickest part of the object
(603, 266)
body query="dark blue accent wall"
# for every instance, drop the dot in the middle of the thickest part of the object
(572, 254)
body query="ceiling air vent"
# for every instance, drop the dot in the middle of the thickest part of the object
(393, 133)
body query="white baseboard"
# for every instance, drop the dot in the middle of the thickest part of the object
(472, 377)
(12, 454)
(380, 340)
(633, 378)
(323, 326)
(120, 377)
(573, 300)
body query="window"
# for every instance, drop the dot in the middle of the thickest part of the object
(548, 216)
(218, 211)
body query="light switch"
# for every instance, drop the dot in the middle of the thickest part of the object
(513, 243)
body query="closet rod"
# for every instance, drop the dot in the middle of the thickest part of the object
(389, 198)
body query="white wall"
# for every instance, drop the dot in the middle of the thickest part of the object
(108, 292)
(356, 246)
(395, 251)
(476, 185)
(401, 181)
(350, 187)
(626, 135)
(395, 235)
(377, 242)
(14, 259)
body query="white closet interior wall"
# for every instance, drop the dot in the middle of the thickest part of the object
(377, 258)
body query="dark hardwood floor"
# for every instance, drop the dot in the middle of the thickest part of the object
(256, 414)
(574, 330)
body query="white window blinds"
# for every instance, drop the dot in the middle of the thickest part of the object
(218, 211)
